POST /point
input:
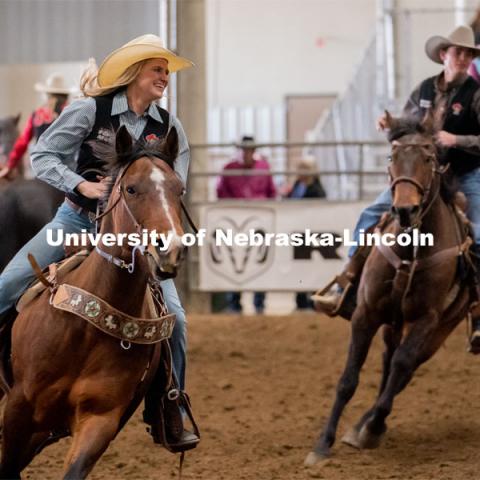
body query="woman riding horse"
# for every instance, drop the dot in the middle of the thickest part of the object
(454, 99)
(123, 92)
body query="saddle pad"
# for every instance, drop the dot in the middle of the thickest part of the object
(37, 287)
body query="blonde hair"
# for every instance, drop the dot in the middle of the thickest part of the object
(89, 80)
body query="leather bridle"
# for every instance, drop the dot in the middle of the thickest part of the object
(426, 202)
(121, 198)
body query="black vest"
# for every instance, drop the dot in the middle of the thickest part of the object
(89, 166)
(42, 126)
(38, 129)
(460, 120)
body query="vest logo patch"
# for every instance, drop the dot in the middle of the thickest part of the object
(424, 103)
(457, 108)
(151, 138)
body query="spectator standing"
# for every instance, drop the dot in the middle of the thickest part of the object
(307, 185)
(252, 187)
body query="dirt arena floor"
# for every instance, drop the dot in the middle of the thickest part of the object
(262, 387)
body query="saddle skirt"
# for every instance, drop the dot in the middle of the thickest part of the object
(62, 268)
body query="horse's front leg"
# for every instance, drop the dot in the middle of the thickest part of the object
(91, 437)
(18, 447)
(406, 359)
(391, 337)
(363, 331)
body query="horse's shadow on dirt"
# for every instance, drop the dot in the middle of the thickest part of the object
(448, 439)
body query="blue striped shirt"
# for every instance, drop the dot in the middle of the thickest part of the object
(54, 157)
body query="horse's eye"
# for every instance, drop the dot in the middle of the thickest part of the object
(131, 190)
(389, 158)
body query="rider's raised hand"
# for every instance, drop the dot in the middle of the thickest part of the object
(381, 123)
(446, 139)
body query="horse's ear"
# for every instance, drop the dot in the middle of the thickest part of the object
(123, 141)
(427, 121)
(171, 144)
(17, 119)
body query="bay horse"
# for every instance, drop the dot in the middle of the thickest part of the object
(68, 375)
(418, 294)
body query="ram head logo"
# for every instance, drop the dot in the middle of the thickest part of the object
(241, 263)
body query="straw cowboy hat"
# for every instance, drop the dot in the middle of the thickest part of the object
(55, 83)
(462, 36)
(140, 48)
(307, 165)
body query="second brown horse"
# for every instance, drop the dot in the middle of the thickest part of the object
(417, 295)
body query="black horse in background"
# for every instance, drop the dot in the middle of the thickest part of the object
(8, 134)
(25, 205)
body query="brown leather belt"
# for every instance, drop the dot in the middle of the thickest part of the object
(81, 210)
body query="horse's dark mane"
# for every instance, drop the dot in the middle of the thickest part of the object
(114, 161)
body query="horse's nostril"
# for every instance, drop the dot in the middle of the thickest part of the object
(407, 210)
(405, 214)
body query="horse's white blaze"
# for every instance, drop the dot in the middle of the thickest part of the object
(158, 178)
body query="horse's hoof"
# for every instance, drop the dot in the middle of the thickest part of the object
(351, 438)
(313, 458)
(369, 440)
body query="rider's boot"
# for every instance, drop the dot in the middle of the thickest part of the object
(475, 308)
(475, 336)
(339, 296)
(165, 409)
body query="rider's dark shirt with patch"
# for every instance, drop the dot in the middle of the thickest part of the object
(457, 110)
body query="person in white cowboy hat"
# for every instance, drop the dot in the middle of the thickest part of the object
(454, 99)
(57, 92)
(123, 92)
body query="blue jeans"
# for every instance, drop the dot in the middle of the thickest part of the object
(235, 305)
(469, 184)
(18, 274)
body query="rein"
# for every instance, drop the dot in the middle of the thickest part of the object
(406, 269)
(119, 262)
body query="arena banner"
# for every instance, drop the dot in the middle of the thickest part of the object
(288, 245)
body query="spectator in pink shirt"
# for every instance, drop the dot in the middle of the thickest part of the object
(248, 187)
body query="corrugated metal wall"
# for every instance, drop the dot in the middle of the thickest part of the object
(46, 31)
